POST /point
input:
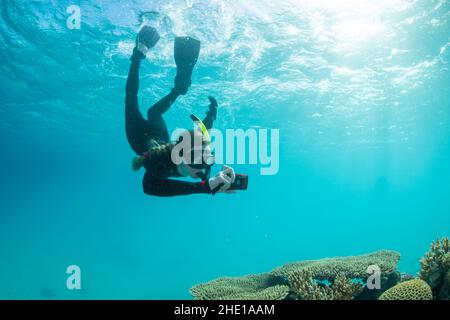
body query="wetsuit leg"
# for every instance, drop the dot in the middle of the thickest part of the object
(156, 125)
(135, 124)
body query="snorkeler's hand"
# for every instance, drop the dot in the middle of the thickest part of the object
(229, 171)
(222, 181)
(213, 105)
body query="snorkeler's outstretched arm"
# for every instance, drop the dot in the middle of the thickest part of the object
(164, 187)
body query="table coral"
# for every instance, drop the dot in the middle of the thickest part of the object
(252, 287)
(301, 280)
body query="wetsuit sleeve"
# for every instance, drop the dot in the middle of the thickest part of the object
(208, 121)
(211, 115)
(164, 187)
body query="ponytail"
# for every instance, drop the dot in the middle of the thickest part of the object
(162, 152)
(138, 162)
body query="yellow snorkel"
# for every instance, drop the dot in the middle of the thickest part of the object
(207, 139)
(202, 128)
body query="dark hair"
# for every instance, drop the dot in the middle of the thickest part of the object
(157, 152)
(153, 154)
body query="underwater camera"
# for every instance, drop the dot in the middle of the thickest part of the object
(240, 183)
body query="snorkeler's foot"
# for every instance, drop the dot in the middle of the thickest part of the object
(146, 39)
(186, 54)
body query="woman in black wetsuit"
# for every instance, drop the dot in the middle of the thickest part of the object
(150, 138)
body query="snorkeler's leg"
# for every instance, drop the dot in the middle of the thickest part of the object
(156, 125)
(211, 115)
(161, 107)
(135, 123)
(146, 39)
(132, 87)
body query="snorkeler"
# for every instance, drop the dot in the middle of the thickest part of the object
(150, 138)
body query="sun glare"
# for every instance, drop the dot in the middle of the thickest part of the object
(356, 32)
(352, 24)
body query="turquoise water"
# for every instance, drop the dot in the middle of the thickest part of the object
(359, 90)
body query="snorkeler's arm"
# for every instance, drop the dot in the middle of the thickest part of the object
(211, 114)
(164, 187)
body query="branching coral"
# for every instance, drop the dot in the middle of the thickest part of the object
(345, 289)
(435, 268)
(253, 287)
(305, 287)
(409, 290)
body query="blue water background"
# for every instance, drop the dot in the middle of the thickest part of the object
(358, 89)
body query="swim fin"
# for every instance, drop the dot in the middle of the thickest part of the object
(146, 39)
(186, 54)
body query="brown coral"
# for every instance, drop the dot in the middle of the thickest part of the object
(416, 289)
(435, 268)
(344, 289)
(305, 287)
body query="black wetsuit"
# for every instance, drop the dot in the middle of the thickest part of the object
(139, 131)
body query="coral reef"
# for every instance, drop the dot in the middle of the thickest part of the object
(252, 287)
(354, 267)
(435, 268)
(406, 277)
(351, 267)
(446, 287)
(416, 289)
(302, 280)
(340, 278)
(305, 287)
